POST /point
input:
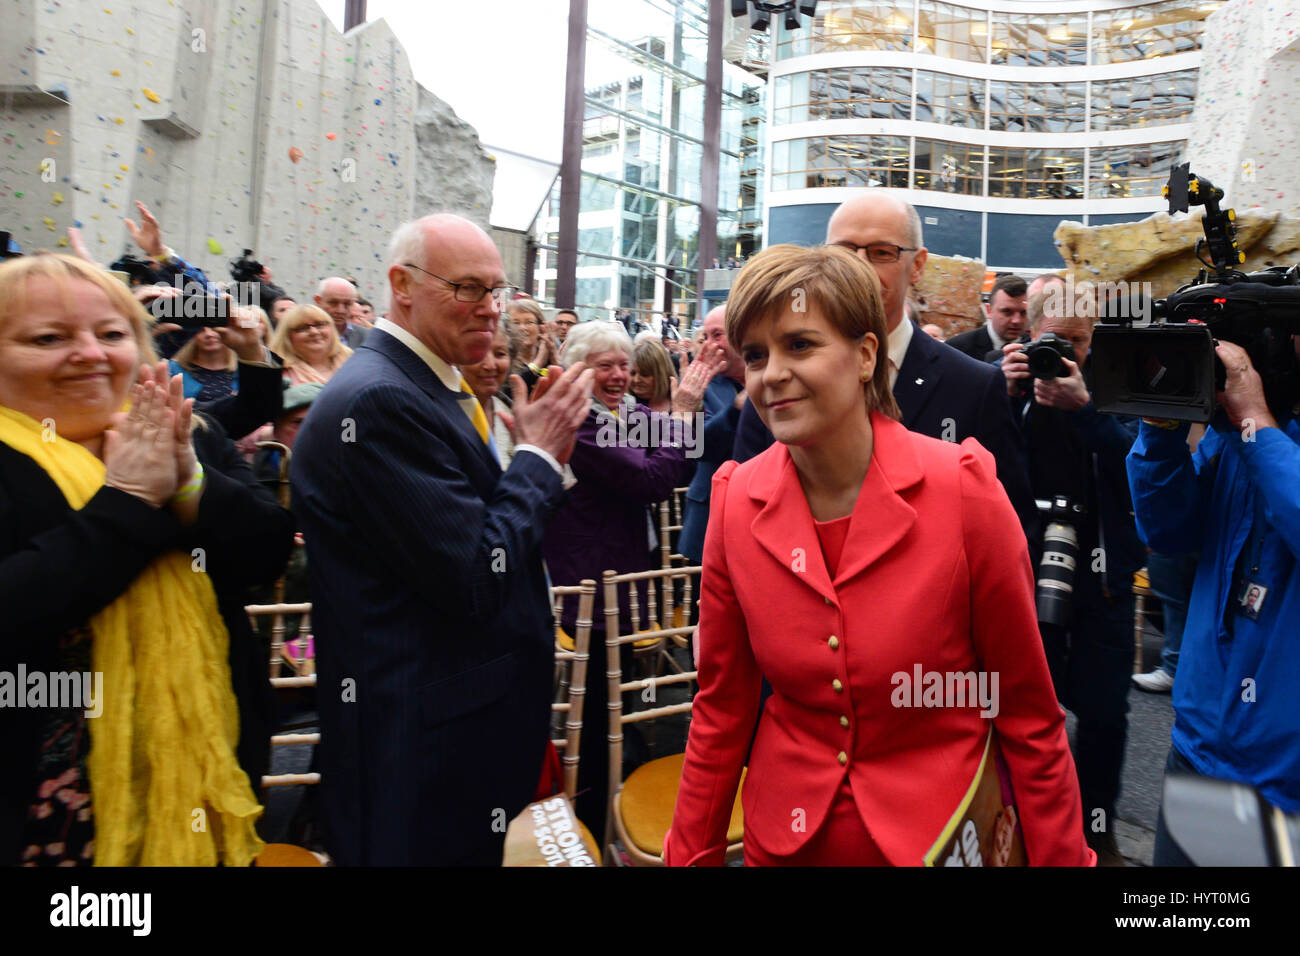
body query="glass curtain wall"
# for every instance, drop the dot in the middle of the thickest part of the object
(963, 33)
(642, 165)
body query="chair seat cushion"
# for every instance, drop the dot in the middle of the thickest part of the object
(286, 854)
(565, 643)
(647, 801)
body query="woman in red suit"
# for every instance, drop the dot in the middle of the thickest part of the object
(847, 559)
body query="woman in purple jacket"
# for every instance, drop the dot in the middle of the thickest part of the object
(626, 459)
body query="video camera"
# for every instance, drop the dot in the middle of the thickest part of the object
(1168, 369)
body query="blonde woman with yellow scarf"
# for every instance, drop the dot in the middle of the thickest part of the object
(134, 707)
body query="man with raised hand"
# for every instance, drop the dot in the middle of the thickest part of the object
(434, 634)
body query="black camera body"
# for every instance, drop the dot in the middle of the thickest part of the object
(139, 271)
(1046, 355)
(1169, 369)
(245, 268)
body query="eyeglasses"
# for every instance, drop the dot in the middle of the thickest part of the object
(881, 253)
(306, 326)
(473, 291)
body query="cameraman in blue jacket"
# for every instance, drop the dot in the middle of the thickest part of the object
(1237, 500)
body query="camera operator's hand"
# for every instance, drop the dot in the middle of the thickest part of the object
(1015, 368)
(147, 235)
(1242, 397)
(242, 334)
(1067, 394)
(159, 301)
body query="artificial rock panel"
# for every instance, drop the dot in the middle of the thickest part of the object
(949, 293)
(238, 122)
(454, 174)
(1246, 122)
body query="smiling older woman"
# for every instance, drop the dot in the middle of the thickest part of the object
(309, 344)
(848, 557)
(126, 541)
(605, 524)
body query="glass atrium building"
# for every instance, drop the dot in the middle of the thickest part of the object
(996, 120)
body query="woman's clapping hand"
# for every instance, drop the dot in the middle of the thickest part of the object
(148, 452)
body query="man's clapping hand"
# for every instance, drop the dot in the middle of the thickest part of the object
(550, 418)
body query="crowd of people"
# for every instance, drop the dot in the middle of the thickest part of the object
(866, 501)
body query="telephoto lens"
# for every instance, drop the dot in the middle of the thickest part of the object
(1056, 571)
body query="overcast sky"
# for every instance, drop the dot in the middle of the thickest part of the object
(500, 65)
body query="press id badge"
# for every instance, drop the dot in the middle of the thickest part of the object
(1251, 599)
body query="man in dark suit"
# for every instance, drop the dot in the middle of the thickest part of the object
(1005, 312)
(434, 636)
(940, 392)
(722, 402)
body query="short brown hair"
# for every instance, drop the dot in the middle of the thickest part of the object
(844, 288)
(1012, 285)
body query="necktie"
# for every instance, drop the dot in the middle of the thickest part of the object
(477, 416)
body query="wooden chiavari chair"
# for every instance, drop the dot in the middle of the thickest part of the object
(671, 510)
(294, 652)
(523, 845)
(641, 807)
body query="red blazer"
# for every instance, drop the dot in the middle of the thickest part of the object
(934, 573)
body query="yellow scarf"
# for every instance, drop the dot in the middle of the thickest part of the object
(165, 784)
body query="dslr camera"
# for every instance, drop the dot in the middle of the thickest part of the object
(1168, 368)
(245, 268)
(1045, 356)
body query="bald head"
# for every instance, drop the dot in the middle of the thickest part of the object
(427, 259)
(714, 331)
(337, 296)
(882, 220)
(874, 205)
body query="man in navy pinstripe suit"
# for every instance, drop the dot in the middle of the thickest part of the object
(434, 637)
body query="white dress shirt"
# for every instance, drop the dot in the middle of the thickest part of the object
(896, 346)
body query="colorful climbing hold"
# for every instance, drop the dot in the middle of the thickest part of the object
(295, 154)
(331, 135)
(151, 96)
(215, 247)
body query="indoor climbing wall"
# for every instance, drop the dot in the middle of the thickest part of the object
(239, 123)
(1246, 122)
